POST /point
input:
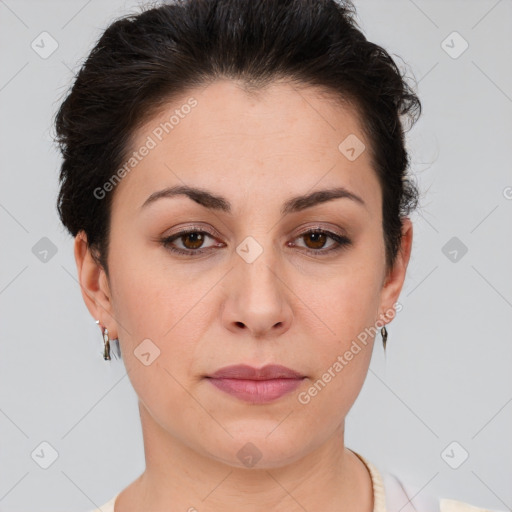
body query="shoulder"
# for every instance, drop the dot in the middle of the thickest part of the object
(394, 494)
(106, 507)
(402, 495)
(424, 502)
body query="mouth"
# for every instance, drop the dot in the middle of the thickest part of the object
(256, 385)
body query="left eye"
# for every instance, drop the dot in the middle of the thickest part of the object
(315, 241)
(193, 240)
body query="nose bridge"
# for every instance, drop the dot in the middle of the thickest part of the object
(259, 262)
(257, 297)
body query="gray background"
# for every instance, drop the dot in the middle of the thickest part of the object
(448, 374)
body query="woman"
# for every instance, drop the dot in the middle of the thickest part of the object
(235, 177)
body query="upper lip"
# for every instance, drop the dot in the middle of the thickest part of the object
(243, 371)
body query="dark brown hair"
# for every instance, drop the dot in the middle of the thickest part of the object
(144, 60)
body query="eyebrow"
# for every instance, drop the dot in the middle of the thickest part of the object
(216, 202)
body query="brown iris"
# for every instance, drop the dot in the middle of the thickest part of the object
(197, 240)
(319, 239)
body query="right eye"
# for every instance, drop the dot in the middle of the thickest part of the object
(191, 240)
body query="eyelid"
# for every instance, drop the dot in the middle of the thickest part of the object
(215, 234)
(318, 227)
(341, 241)
(198, 228)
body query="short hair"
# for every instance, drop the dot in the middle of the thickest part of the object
(142, 61)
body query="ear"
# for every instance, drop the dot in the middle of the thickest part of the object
(396, 276)
(94, 285)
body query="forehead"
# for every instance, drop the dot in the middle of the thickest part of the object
(273, 142)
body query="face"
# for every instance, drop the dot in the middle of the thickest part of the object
(250, 276)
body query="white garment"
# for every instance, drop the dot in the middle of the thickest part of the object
(389, 495)
(392, 495)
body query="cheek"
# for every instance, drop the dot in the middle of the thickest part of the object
(344, 304)
(341, 327)
(148, 300)
(156, 315)
(340, 363)
(152, 319)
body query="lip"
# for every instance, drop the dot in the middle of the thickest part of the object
(256, 385)
(244, 371)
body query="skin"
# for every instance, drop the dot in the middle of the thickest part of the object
(209, 311)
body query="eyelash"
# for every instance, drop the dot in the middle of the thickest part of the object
(341, 242)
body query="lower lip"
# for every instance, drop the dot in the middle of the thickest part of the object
(256, 391)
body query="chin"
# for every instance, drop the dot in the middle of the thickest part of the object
(257, 449)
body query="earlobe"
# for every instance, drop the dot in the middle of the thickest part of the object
(93, 284)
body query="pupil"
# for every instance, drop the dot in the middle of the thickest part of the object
(317, 238)
(196, 239)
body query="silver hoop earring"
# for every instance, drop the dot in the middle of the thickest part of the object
(106, 344)
(384, 334)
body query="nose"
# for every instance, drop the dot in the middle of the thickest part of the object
(258, 300)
